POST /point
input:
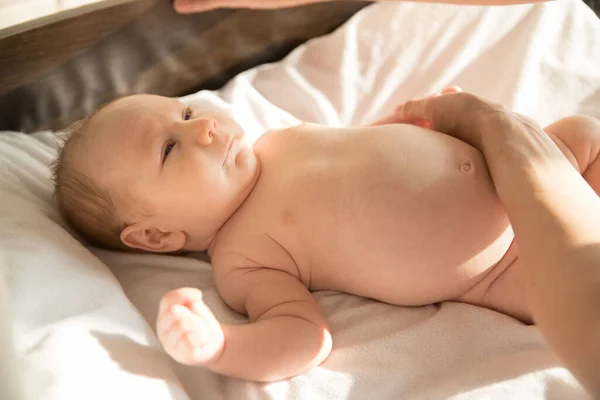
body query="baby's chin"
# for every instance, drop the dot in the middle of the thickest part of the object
(254, 169)
(246, 155)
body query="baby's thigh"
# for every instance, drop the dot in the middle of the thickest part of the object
(503, 289)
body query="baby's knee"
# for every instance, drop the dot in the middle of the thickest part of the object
(578, 125)
(578, 137)
(582, 122)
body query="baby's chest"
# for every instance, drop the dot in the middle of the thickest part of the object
(361, 167)
(303, 188)
(308, 167)
(351, 187)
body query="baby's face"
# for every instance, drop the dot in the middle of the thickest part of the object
(185, 170)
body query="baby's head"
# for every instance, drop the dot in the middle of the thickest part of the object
(150, 173)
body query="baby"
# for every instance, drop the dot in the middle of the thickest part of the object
(394, 212)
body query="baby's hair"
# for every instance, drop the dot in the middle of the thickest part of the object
(87, 207)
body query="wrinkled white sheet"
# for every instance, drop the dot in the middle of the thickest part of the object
(78, 337)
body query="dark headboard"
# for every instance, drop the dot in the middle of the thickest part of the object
(61, 71)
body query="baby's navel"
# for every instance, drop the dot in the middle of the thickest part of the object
(466, 167)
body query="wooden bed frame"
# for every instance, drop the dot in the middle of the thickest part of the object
(54, 73)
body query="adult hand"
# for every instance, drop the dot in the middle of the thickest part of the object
(191, 6)
(393, 118)
(467, 117)
(555, 215)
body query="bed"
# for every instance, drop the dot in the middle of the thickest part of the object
(77, 321)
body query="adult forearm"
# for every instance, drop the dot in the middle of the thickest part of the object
(187, 6)
(556, 218)
(475, 2)
(272, 349)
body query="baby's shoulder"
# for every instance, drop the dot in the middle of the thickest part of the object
(242, 251)
(249, 250)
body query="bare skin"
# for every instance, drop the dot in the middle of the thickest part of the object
(398, 213)
(555, 214)
(190, 6)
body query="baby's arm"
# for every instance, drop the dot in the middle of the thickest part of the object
(287, 335)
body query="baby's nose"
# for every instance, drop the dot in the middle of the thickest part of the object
(205, 128)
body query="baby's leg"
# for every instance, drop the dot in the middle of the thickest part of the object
(578, 137)
(503, 289)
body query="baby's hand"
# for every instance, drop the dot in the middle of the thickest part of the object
(187, 329)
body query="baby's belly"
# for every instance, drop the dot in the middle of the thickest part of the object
(416, 219)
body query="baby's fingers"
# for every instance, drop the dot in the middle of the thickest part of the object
(171, 316)
(187, 329)
(183, 296)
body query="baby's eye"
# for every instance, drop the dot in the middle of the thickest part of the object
(168, 149)
(187, 114)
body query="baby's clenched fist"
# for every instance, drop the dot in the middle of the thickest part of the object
(187, 329)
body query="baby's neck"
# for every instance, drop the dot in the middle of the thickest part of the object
(247, 193)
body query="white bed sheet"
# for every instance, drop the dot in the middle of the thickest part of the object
(77, 336)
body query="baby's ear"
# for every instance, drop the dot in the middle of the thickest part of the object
(152, 239)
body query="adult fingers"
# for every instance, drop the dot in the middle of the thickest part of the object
(457, 114)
